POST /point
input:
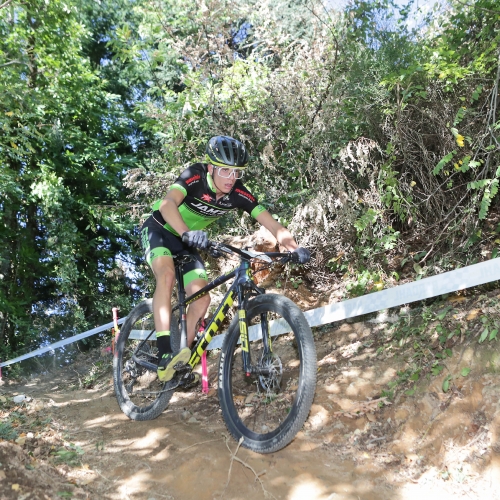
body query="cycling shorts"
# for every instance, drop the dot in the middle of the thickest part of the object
(157, 241)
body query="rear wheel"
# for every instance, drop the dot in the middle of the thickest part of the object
(140, 394)
(268, 407)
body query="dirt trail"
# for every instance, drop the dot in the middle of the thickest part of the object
(431, 445)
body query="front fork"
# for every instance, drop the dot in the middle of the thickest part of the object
(244, 336)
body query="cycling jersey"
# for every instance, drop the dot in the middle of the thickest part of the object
(200, 208)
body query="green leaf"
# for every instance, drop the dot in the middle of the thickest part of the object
(437, 369)
(443, 313)
(483, 336)
(459, 116)
(493, 334)
(477, 92)
(464, 372)
(444, 162)
(446, 383)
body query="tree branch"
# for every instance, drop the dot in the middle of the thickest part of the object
(12, 62)
(5, 4)
(465, 4)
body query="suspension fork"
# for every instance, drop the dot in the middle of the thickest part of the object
(245, 340)
(243, 280)
(266, 334)
(246, 283)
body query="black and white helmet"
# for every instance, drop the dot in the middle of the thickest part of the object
(223, 151)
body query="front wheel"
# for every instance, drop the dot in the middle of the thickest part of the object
(270, 405)
(140, 394)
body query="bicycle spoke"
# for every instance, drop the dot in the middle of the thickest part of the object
(141, 384)
(263, 400)
(139, 393)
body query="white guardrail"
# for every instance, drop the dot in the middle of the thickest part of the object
(451, 281)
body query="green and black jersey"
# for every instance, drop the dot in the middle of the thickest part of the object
(200, 208)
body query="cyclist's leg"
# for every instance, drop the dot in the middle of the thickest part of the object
(159, 246)
(196, 309)
(164, 271)
(195, 278)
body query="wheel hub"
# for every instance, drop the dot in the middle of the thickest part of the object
(270, 372)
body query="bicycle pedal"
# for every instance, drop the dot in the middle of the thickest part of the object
(182, 367)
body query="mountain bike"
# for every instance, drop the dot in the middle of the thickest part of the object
(267, 366)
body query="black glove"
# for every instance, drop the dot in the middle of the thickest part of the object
(301, 255)
(196, 239)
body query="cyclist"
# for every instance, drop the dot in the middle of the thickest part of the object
(201, 194)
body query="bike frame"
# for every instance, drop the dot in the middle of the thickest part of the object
(241, 286)
(240, 289)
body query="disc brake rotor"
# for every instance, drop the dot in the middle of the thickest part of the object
(271, 370)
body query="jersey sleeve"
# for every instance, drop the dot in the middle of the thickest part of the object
(247, 201)
(188, 180)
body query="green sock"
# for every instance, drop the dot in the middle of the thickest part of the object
(163, 343)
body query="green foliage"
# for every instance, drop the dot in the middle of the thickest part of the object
(70, 455)
(7, 432)
(363, 133)
(364, 281)
(427, 338)
(491, 325)
(443, 162)
(345, 122)
(63, 150)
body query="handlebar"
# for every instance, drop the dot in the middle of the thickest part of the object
(217, 249)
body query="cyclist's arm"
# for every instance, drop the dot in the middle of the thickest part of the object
(281, 233)
(170, 212)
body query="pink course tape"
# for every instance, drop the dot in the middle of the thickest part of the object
(204, 373)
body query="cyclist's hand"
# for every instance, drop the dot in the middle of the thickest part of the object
(196, 239)
(301, 255)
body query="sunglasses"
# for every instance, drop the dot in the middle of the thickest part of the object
(227, 173)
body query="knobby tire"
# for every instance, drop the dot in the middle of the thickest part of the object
(147, 401)
(268, 410)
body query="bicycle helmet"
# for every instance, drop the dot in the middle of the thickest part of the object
(223, 151)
